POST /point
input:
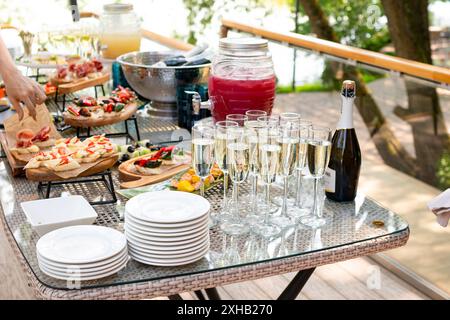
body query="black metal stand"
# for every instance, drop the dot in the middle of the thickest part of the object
(199, 295)
(126, 133)
(296, 285)
(290, 293)
(44, 188)
(212, 294)
(37, 75)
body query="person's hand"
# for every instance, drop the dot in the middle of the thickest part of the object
(21, 89)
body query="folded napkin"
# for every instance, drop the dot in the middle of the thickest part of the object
(440, 206)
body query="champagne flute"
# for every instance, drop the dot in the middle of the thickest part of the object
(319, 148)
(220, 153)
(289, 140)
(255, 114)
(241, 119)
(297, 210)
(253, 131)
(202, 152)
(286, 118)
(269, 158)
(238, 166)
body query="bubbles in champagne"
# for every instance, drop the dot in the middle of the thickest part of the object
(202, 156)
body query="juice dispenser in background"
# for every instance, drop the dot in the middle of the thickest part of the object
(242, 78)
(120, 30)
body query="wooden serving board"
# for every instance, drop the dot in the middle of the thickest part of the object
(70, 87)
(134, 180)
(44, 174)
(87, 122)
(16, 165)
(13, 125)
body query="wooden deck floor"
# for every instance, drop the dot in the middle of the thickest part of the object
(345, 280)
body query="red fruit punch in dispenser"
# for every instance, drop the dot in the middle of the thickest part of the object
(237, 96)
(242, 77)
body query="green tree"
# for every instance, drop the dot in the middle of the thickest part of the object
(359, 23)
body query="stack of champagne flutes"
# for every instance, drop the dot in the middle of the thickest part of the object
(262, 147)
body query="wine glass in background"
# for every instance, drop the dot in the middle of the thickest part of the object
(239, 118)
(202, 152)
(289, 139)
(237, 155)
(318, 155)
(220, 155)
(297, 210)
(43, 39)
(269, 159)
(255, 114)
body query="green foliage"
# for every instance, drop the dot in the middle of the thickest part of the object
(359, 23)
(201, 13)
(443, 171)
(309, 87)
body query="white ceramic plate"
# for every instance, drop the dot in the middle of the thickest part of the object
(177, 254)
(46, 215)
(130, 216)
(81, 244)
(167, 263)
(97, 264)
(202, 231)
(166, 232)
(152, 245)
(82, 278)
(69, 268)
(167, 206)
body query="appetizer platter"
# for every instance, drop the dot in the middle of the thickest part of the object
(77, 76)
(21, 140)
(160, 164)
(71, 157)
(90, 112)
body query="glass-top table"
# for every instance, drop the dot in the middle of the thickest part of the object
(354, 229)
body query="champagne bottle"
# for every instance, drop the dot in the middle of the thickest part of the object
(342, 174)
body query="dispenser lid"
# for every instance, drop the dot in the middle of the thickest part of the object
(243, 44)
(118, 7)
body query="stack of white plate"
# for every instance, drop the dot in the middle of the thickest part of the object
(167, 228)
(82, 252)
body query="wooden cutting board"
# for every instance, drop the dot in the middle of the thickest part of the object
(134, 180)
(87, 122)
(13, 125)
(70, 87)
(16, 165)
(44, 174)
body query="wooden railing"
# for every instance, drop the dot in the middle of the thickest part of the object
(405, 66)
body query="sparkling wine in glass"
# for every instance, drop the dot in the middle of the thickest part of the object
(202, 152)
(238, 155)
(269, 156)
(286, 118)
(297, 210)
(289, 140)
(220, 151)
(254, 128)
(319, 149)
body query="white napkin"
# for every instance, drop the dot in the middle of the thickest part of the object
(440, 206)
